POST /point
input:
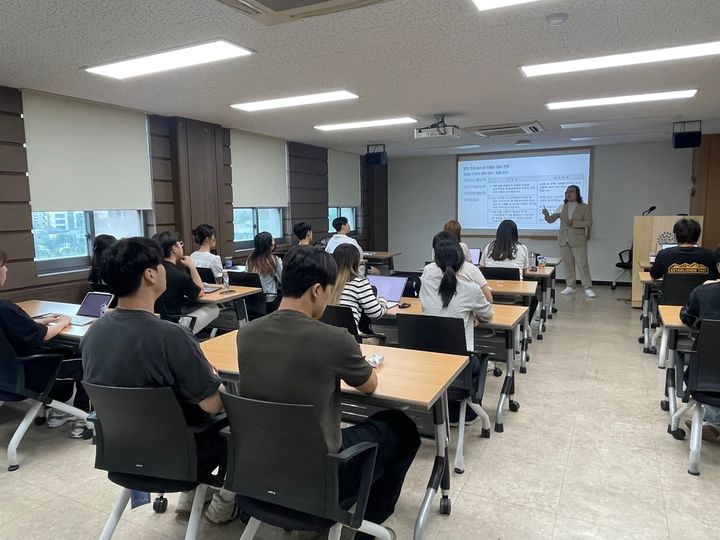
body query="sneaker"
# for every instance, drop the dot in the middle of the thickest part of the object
(567, 290)
(78, 429)
(185, 502)
(56, 418)
(221, 511)
(590, 293)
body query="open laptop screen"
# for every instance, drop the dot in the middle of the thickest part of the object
(388, 287)
(475, 255)
(94, 303)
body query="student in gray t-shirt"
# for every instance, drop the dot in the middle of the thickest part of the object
(290, 357)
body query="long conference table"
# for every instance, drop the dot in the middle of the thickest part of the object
(405, 377)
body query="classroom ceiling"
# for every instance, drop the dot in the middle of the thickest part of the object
(403, 57)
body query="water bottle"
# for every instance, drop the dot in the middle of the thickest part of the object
(541, 262)
(226, 279)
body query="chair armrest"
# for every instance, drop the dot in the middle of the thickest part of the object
(366, 451)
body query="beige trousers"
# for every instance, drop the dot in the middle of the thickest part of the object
(571, 257)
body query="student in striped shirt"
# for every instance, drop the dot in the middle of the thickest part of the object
(353, 290)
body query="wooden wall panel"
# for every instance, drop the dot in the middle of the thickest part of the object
(706, 197)
(14, 187)
(163, 181)
(12, 128)
(373, 219)
(13, 157)
(15, 217)
(18, 245)
(308, 181)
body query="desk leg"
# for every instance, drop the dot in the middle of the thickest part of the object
(646, 318)
(440, 475)
(241, 312)
(674, 368)
(553, 309)
(508, 386)
(663, 348)
(543, 309)
(524, 356)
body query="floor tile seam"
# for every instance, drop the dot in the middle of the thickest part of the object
(602, 524)
(513, 503)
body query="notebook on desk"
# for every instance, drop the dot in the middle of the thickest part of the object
(93, 306)
(389, 287)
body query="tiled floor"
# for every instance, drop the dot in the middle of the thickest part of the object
(587, 456)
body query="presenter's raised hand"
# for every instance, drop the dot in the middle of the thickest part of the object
(545, 212)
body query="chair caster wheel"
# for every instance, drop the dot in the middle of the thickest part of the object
(499, 428)
(554, 310)
(653, 350)
(39, 420)
(540, 336)
(694, 473)
(12, 468)
(665, 405)
(514, 406)
(549, 315)
(612, 287)
(445, 506)
(529, 340)
(497, 372)
(523, 369)
(485, 433)
(458, 470)
(87, 434)
(160, 504)
(641, 340)
(678, 433)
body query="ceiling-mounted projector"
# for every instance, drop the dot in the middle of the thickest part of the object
(438, 129)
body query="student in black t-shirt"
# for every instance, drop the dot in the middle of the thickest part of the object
(130, 347)
(704, 303)
(29, 336)
(182, 287)
(686, 257)
(289, 356)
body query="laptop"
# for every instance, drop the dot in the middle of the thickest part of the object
(93, 306)
(389, 287)
(475, 255)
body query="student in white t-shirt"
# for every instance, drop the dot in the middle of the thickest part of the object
(204, 235)
(506, 251)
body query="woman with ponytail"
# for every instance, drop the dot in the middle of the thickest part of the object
(204, 236)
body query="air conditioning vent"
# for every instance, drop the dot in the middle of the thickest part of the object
(502, 130)
(271, 12)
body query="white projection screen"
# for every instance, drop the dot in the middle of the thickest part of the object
(494, 187)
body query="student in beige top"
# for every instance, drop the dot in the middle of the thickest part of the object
(575, 218)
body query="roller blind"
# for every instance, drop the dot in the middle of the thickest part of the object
(343, 179)
(85, 156)
(259, 170)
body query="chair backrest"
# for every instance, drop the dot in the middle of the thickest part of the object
(278, 454)
(257, 303)
(677, 286)
(341, 316)
(505, 273)
(412, 287)
(44, 368)
(432, 333)
(102, 287)
(704, 375)
(142, 431)
(206, 275)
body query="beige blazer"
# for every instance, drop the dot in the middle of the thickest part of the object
(574, 235)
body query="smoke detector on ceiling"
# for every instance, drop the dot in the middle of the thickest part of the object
(271, 12)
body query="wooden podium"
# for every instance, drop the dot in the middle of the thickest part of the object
(648, 232)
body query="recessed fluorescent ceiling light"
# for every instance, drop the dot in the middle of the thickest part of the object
(625, 59)
(643, 120)
(368, 123)
(601, 137)
(165, 61)
(618, 100)
(295, 101)
(439, 148)
(485, 5)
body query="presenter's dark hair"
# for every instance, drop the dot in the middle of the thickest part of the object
(338, 223)
(301, 230)
(449, 258)
(453, 226)
(687, 231)
(578, 197)
(100, 247)
(166, 240)
(506, 240)
(126, 262)
(202, 232)
(303, 267)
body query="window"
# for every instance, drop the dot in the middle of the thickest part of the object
(63, 240)
(247, 222)
(334, 212)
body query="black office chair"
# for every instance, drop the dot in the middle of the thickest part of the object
(703, 388)
(207, 276)
(625, 265)
(447, 335)
(29, 378)
(283, 474)
(507, 274)
(413, 285)
(145, 444)
(256, 304)
(185, 320)
(342, 316)
(102, 287)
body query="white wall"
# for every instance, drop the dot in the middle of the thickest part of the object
(626, 179)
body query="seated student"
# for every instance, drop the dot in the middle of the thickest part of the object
(506, 251)
(304, 233)
(704, 303)
(101, 244)
(468, 271)
(353, 290)
(131, 347)
(29, 336)
(269, 267)
(685, 257)
(291, 357)
(204, 236)
(182, 288)
(340, 224)
(445, 294)
(454, 227)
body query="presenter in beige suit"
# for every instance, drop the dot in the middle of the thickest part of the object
(575, 218)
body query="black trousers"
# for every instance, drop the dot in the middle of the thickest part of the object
(398, 442)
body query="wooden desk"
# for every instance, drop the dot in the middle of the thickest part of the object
(645, 264)
(525, 289)
(406, 376)
(669, 317)
(553, 261)
(39, 307)
(382, 257)
(218, 297)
